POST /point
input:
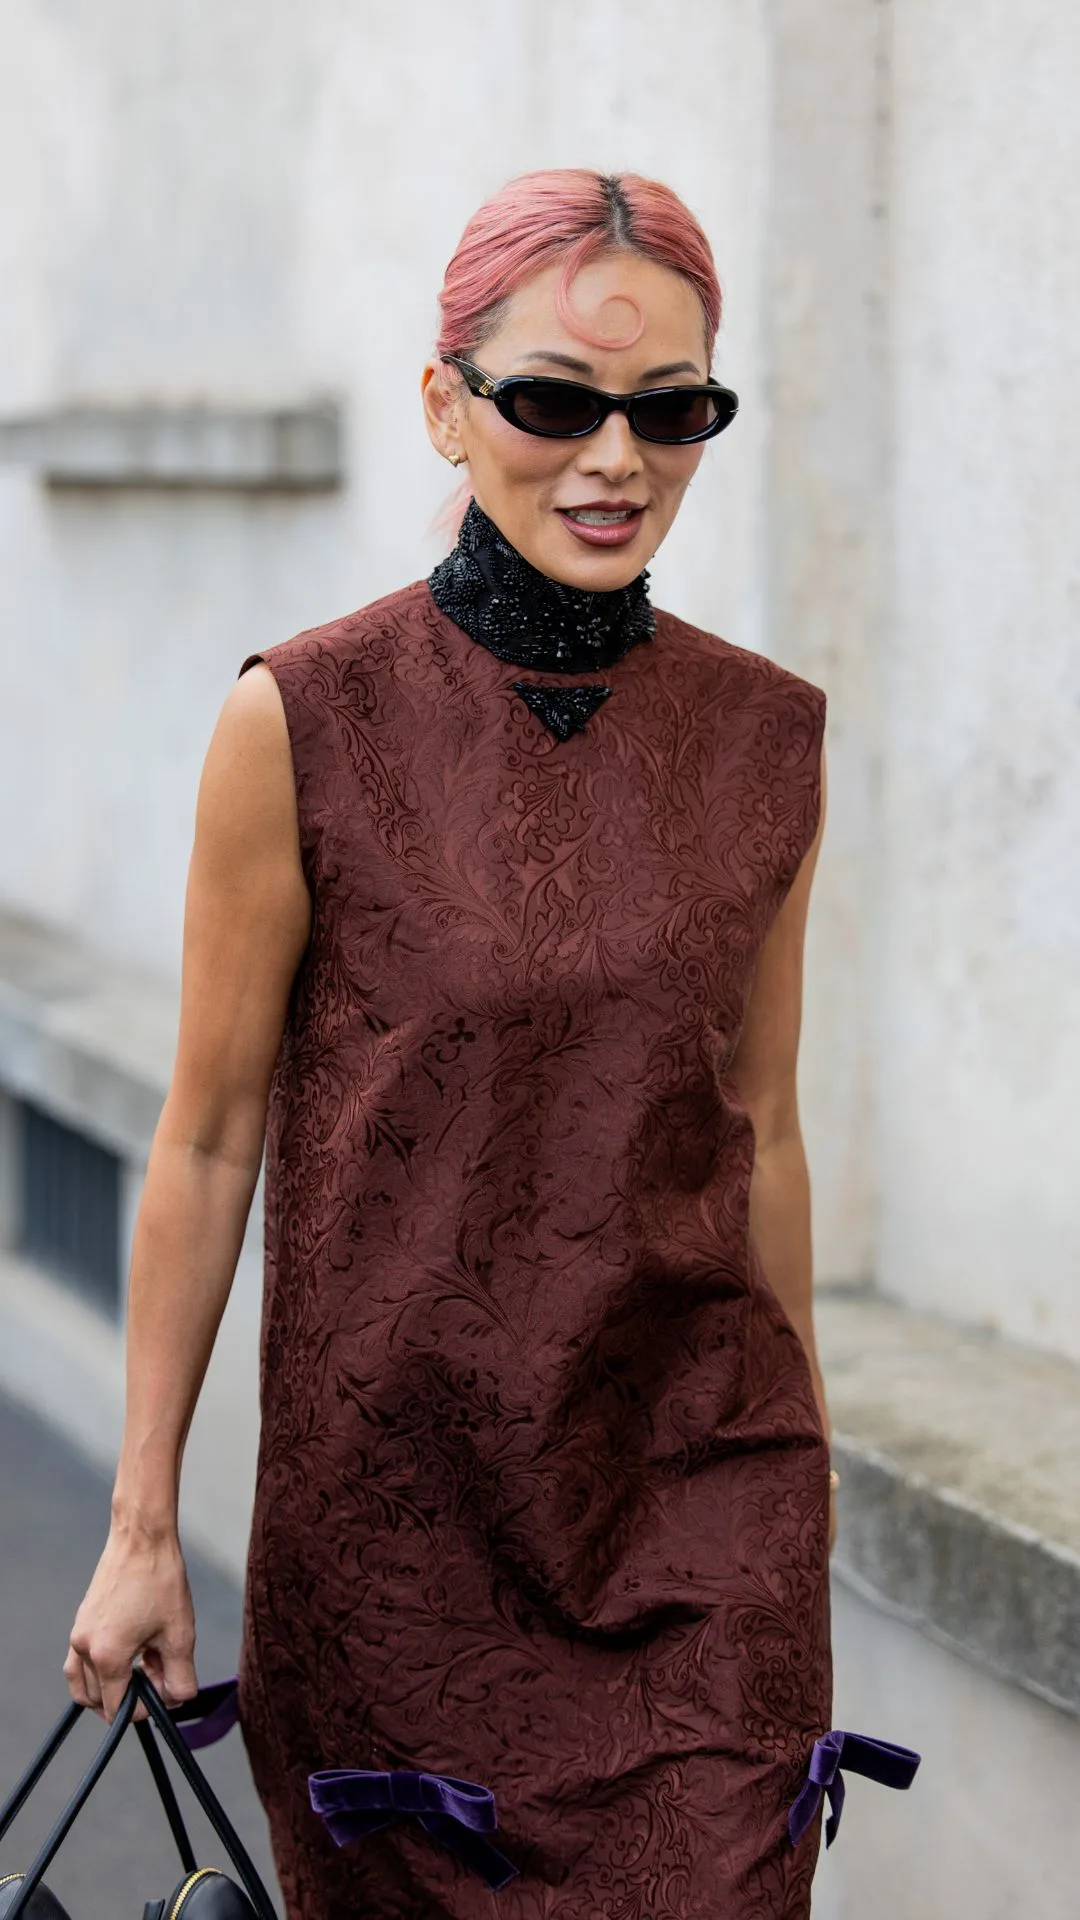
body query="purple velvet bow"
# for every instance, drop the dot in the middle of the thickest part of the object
(456, 1812)
(210, 1716)
(877, 1759)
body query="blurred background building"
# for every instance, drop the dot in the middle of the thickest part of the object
(223, 229)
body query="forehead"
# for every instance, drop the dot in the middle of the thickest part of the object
(611, 295)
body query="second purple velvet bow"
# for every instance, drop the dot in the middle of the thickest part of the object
(878, 1760)
(458, 1813)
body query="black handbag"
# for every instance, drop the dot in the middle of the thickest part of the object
(204, 1893)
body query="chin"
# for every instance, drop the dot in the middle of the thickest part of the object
(607, 577)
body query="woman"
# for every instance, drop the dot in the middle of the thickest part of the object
(497, 897)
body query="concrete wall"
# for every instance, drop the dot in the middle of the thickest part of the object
(826, 261)
(979, 1004)
(923, 482)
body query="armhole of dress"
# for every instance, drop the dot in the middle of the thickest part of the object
(307, 837)
(817, 746)
(261, 660)
(816, 708)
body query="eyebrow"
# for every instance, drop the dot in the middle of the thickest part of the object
(583, 366)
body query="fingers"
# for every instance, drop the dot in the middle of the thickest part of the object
(82, 1681)
(98, 1675)
(113, 1670)
(171, 1667)
(97, 1678)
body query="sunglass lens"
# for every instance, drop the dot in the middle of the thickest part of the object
(557, 407)
(680, 416)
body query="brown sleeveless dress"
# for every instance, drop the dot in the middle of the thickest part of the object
(542, 1491)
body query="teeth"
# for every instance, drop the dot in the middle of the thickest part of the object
(591, 519)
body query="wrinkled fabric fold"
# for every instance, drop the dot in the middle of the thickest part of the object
(879, 1760)
(356, 1802)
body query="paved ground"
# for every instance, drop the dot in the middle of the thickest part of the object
(53, 1516)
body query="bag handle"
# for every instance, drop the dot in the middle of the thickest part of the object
(55, 1741)
(141, 1690)
(164, 1785)
(37, 1767)
(206, 1797)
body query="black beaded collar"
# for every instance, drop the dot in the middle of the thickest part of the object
(521, 615)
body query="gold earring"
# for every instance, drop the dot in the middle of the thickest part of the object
(455, 459)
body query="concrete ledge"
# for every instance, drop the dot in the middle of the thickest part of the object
(87, 1039)
(286, 449)
(960, 1498)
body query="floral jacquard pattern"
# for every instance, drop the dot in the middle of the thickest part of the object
(542, 1492)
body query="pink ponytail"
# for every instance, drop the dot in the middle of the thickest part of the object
(572, 214)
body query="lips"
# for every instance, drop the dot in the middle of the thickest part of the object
(603, 531)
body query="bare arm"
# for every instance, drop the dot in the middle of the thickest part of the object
(246, 925)
(764, 1074)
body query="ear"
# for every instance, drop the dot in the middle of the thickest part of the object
(442, 409)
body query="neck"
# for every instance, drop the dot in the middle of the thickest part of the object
(521, 615)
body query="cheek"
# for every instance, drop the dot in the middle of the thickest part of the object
(671, 471)
(516, 458)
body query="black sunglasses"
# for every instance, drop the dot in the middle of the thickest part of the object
(566, 410)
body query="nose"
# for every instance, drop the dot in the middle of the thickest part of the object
(612, 450)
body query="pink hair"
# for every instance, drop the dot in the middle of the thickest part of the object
(572, 214)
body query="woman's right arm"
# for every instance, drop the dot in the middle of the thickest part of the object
(247, 922)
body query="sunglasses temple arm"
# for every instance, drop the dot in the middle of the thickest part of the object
(145, 1735)
(77, 1802)
(37, 1767)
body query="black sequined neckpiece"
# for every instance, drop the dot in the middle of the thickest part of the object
(521, 615)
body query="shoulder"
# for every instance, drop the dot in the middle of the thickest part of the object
(371, 634)
(736, 674)
(743, 671)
